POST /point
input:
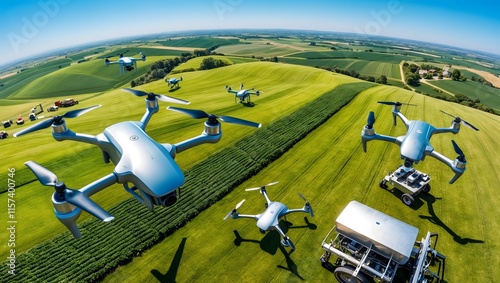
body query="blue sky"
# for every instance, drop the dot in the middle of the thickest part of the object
(29, 27)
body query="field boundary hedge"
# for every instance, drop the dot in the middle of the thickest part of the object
(104, 246)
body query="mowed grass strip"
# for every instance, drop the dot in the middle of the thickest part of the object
(330, 168)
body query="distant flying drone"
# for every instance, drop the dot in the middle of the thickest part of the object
(173, 82)
(139, 160)
(126, 63)
(242, 94)
(415, 144)
(269, 219)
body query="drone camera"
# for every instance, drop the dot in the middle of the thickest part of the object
(408, 163)
(167, 200)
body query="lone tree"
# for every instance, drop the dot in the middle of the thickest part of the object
(456, 75)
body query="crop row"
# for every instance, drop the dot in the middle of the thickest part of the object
(107, 245)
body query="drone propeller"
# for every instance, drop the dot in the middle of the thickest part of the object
(198, 114)
(258, 188)
(151, 96)
(397, 103)
(56, 120)
(371, 120)
(234, 209)
(458, 120)
(75, 197)
(461, 155)
(307, 204)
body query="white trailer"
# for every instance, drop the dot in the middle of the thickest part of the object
(371, 244)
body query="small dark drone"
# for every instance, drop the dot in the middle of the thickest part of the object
(269, 219)
(415, 144)
(139, 160)
(242, 94)
(126, 63)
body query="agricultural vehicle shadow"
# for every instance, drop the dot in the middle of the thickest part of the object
(433, 218)
(171, 274)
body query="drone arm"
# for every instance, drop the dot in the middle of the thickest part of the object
(401, 116)
(303, 209)
(99, 185)
(206, 137)
(454, 128)
(237, 215)
(369, 137)
(456, 166)
(152, 107)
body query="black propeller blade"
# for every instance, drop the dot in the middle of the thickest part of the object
(151, 96)
(397, 103)
(458, 120)
(75, 197)
(458, 150)
(56, 119)
(198, 114)
(371, 120)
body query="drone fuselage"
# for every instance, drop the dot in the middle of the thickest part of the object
(270, 217)
(416, 141)
(141, 160)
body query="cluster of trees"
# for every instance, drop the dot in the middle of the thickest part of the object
(476, 103)
(457, 76)
(482, 81)
(104, 247)
(411, 74)
(211, 63)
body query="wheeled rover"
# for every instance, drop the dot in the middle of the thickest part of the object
(409, 181)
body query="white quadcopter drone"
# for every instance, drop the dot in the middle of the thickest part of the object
(269, 219)
(415, 144)
(126, 63)
(139, 160)
(242, 94)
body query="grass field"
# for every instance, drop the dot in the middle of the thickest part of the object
(199, 42)
(488, 96)
(328, 167)
(333, 172)
(196, 62)
(205, 89)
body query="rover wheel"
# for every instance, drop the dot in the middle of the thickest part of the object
(407, 199)
(383, 184)
(427, 188)
(344, 274)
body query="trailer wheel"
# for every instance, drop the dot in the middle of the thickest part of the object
(344, 274)
(427, 188)
(407, 199)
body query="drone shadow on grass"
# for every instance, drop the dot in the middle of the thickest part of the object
(433, 218)
(248, 104)
(171, 274)
(174, 89)
(271, 242)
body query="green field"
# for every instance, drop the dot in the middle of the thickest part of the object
(488, 96)
(196, 62)
(328, 166)
(333, 172)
